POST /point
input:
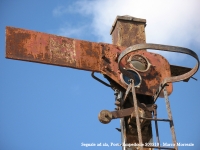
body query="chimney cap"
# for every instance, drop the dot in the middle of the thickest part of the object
(127, 18)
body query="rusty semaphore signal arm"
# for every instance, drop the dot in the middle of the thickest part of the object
(137, 76)
(98, 57)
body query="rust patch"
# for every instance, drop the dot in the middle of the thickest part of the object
(152, 77)
(109, 65)
(14, 43)
(62, 51)
(88, 55)
(45, 48)
(100, 57)
(128, 33)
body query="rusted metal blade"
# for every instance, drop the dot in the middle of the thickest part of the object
(50, 49)
(45, 48)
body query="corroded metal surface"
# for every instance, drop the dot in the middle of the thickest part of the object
(122, 113)
(130, 112)
(50, 49)
(167, 79)
(170, 118)
(127, 31)
(154, 75)
(99, 57)
(150, 79)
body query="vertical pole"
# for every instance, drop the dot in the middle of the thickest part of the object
(123, 133)
(127, 31)
(170, 118)
(122, 124)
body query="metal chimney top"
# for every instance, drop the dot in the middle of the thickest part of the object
(127, 18)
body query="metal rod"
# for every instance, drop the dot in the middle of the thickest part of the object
(156, 125)
(167, 120)
(137, 115)
(126, 94)
(156, 95)
(194, 78)
(122, 123)
(123, 133)
(106, 84)
(170, 118)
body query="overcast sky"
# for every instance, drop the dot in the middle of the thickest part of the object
(56, 108)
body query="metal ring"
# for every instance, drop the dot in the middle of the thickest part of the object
(123, 81)
(162, 48)
(147, 61)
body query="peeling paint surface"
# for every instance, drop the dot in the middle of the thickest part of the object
(45, 48)
(62, 50)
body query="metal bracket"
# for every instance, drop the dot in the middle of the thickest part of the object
(109, 115)
(106, 84)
